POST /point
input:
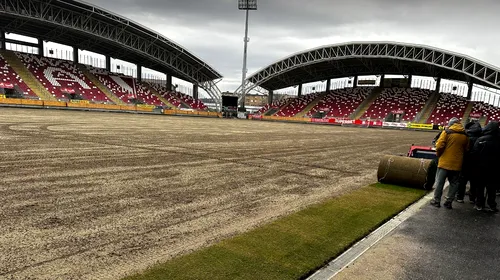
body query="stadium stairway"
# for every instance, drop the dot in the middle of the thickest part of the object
(429, 107)
(271, 112)
(101, 86)
(467, 112)
(311, 105)
(158, 95)
(282, 107)
(28, 78)
(360, 111)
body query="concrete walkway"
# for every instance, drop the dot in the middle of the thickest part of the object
(435, 243)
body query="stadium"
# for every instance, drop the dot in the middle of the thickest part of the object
(105, 174)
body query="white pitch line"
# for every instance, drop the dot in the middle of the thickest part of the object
(358, 249)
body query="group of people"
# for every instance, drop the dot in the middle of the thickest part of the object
(468, 154)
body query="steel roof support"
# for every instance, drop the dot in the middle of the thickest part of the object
(104, 26)
(469, 90)
(432, 57)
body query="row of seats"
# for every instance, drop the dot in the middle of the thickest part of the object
(190, 101)
(60, 77)
(121, 87)
(168, 95)
(276, 105)
(126, 88)
(297, 105)
(491, 112)
(344, 102)
(410, 101)
(8, 76)
(145, 95)
(447, 107)
(341, 102)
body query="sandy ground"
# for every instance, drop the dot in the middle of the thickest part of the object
(103, 195)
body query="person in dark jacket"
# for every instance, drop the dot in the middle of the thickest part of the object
(485, 155)
(474, 131)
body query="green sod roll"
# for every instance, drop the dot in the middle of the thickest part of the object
(404, 171)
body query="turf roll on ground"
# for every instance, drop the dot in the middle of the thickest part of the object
(403, 171)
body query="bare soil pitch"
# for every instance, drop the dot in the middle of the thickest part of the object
(102, 195)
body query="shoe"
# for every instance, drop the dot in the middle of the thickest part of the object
(435, 203)
(447, 205)
(460, 200)
(478, 208)
(492, 210)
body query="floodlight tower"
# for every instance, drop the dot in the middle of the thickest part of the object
(245, 5)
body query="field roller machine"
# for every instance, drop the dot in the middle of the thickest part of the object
(415, 170)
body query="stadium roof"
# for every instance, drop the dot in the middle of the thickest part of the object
(88, 27)
(372, 58)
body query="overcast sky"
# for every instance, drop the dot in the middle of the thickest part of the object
(213, 29)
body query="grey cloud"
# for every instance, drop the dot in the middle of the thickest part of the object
(213, 29)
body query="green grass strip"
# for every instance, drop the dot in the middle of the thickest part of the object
(294, 246)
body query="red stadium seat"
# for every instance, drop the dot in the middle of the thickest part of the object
(448, 106)
(59, 75)
(409, 100)
(8, 76)
(297, 105)
(341, 102)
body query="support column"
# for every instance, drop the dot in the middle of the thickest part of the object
(75, 55)
(355, 85)
(108, 63)
(410, 80)
(270, 97)
(438, 85)
(195, 92)
(469, 90)
(2, 35)
(300, 91)
(382, 78)
(169, 82)
(139, 73)
(328, 85)
(41, 46)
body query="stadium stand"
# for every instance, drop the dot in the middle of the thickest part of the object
(10, 78)
(119, 85)
(448, 106)
(297, 105)
(168, 95)
(61, 77)
(276, 105)
(408, 100)
(144, 94)
(490, 112)
(190, 101)
(340, 103)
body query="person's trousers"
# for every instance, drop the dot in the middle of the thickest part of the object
(453, 178)
(462, 185)
(490, 186)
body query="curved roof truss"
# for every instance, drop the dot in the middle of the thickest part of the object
(88, 27)
(372, 58)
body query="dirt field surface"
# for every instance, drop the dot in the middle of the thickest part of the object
(103, 195)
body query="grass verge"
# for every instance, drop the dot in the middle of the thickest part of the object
(294, 246)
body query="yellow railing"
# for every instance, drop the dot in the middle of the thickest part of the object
(85, 104)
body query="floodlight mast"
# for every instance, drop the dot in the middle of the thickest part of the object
(245, 5)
